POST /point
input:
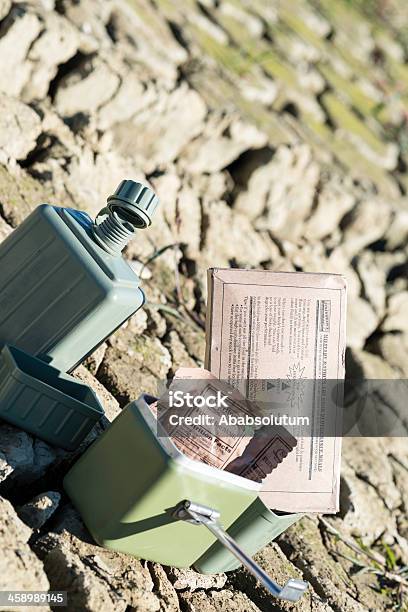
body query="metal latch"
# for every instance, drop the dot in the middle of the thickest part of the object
(197, 514)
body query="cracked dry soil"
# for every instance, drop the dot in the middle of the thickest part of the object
(275, 134)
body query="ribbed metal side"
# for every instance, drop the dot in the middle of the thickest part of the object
(35, 410)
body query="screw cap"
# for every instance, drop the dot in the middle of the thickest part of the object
(134, 202)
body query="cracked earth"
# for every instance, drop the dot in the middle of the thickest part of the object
(275, 134)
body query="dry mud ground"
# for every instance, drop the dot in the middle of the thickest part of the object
(275, 135)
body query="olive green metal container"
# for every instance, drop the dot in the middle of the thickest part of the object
(64, 285)
(128, 483)
(38, 398)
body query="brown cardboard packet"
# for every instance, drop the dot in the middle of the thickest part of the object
(286, 326)
(249, 456)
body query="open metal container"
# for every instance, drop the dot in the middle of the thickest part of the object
(45, 402)
(133, 486)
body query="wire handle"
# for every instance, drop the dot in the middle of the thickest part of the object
(198, 514)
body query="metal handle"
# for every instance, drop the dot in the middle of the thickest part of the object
(197, 514)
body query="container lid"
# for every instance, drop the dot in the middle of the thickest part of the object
(134, 202)
(44, 401)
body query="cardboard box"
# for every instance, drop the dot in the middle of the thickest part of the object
(284, 333)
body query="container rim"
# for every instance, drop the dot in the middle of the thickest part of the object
(171, 449)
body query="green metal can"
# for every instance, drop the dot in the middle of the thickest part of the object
(128, 483)
(64, 285)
